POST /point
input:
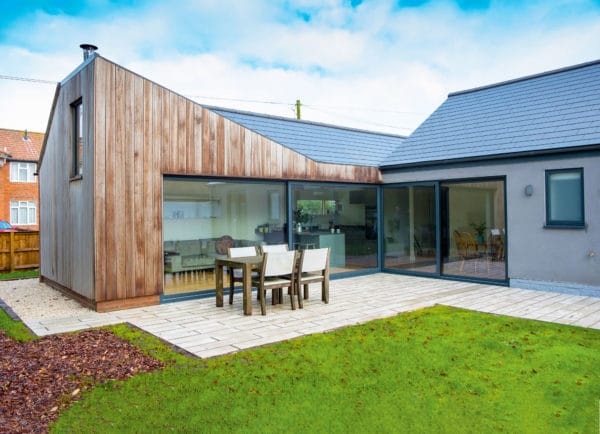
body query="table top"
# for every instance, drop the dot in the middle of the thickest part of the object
(231, 262)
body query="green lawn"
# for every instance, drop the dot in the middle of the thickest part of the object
(16, 329)
(25, 274)
(434, 370)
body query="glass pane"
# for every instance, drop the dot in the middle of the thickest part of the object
(565, 196)
(22, 172)
(473, 229)
(77, 145)
(409, 228)
(343, 218)
(80, 138)
(30, 172)
(31, 214)
(22, 215)
(202, 218)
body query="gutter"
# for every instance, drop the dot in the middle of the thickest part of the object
(491, 158)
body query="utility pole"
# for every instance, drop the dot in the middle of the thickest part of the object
(298, 109)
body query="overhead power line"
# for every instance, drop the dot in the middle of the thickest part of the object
(317, 107)
(371, 109)
(354, 119)
(30, 80)
(238, 100)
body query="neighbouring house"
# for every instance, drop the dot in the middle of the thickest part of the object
(143, 188)
(19, 192)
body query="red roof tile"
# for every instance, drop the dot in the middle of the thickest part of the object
(12, 142)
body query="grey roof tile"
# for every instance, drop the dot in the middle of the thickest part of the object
(320, 142)
(557, 109)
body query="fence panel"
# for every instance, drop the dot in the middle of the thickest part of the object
(19, 250)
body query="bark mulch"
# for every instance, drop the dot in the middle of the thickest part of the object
(41, 377)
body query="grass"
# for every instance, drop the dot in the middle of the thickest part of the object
(15, 329)
(435, 370)
(25, 274)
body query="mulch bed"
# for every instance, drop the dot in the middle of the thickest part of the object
(41, 377)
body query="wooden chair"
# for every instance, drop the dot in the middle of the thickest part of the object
(270, 248)
(277, 273)
(236, 275)
(313, 268)
(466, 247)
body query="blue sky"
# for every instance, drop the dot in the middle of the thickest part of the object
(371, 64)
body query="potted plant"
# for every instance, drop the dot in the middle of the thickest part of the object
(480, 229)
(301, 217)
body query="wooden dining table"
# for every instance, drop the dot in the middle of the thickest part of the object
(247, 264)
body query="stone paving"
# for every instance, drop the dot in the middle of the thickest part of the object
(201, 328)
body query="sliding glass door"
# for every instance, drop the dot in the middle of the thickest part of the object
(409, 228)
(459, 232)
(473, 229)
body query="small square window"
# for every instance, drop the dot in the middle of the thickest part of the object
(564, 198)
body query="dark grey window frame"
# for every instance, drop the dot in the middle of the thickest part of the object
(568, 224)
(76, 132)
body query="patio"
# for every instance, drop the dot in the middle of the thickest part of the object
(202, 329)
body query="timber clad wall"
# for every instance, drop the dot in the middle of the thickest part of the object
(102, 235)
(66, 223)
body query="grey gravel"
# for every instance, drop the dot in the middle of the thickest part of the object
(32, 300)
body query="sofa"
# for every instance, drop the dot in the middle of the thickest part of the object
(199, 254)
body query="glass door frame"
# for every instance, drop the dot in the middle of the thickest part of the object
(378, 195)
(436, 187)
(438, 230)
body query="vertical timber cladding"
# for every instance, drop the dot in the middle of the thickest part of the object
(144, 131)
(66, 206)
(128, 188)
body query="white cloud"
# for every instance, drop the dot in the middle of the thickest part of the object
(374, 56)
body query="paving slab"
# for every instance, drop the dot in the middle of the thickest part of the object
(203, 329)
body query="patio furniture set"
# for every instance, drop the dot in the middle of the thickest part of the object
(273, 267)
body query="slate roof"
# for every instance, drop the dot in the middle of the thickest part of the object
(16, 148)
(556, 110)
(320, 142)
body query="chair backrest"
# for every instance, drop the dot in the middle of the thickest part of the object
(270, 248)
(464, 240)
(279, 263)
(314, 260)
(240, 252)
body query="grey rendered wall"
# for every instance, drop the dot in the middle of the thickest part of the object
(566, 260)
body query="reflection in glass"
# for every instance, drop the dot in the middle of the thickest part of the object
(343, 218)
(201, 219)
(409, 228)
(473, 229)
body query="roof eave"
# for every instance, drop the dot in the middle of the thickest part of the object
(495, 157)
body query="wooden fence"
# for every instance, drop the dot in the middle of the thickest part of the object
(19, 250)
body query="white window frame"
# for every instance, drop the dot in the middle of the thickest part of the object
(22, 171)
(18, 207)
